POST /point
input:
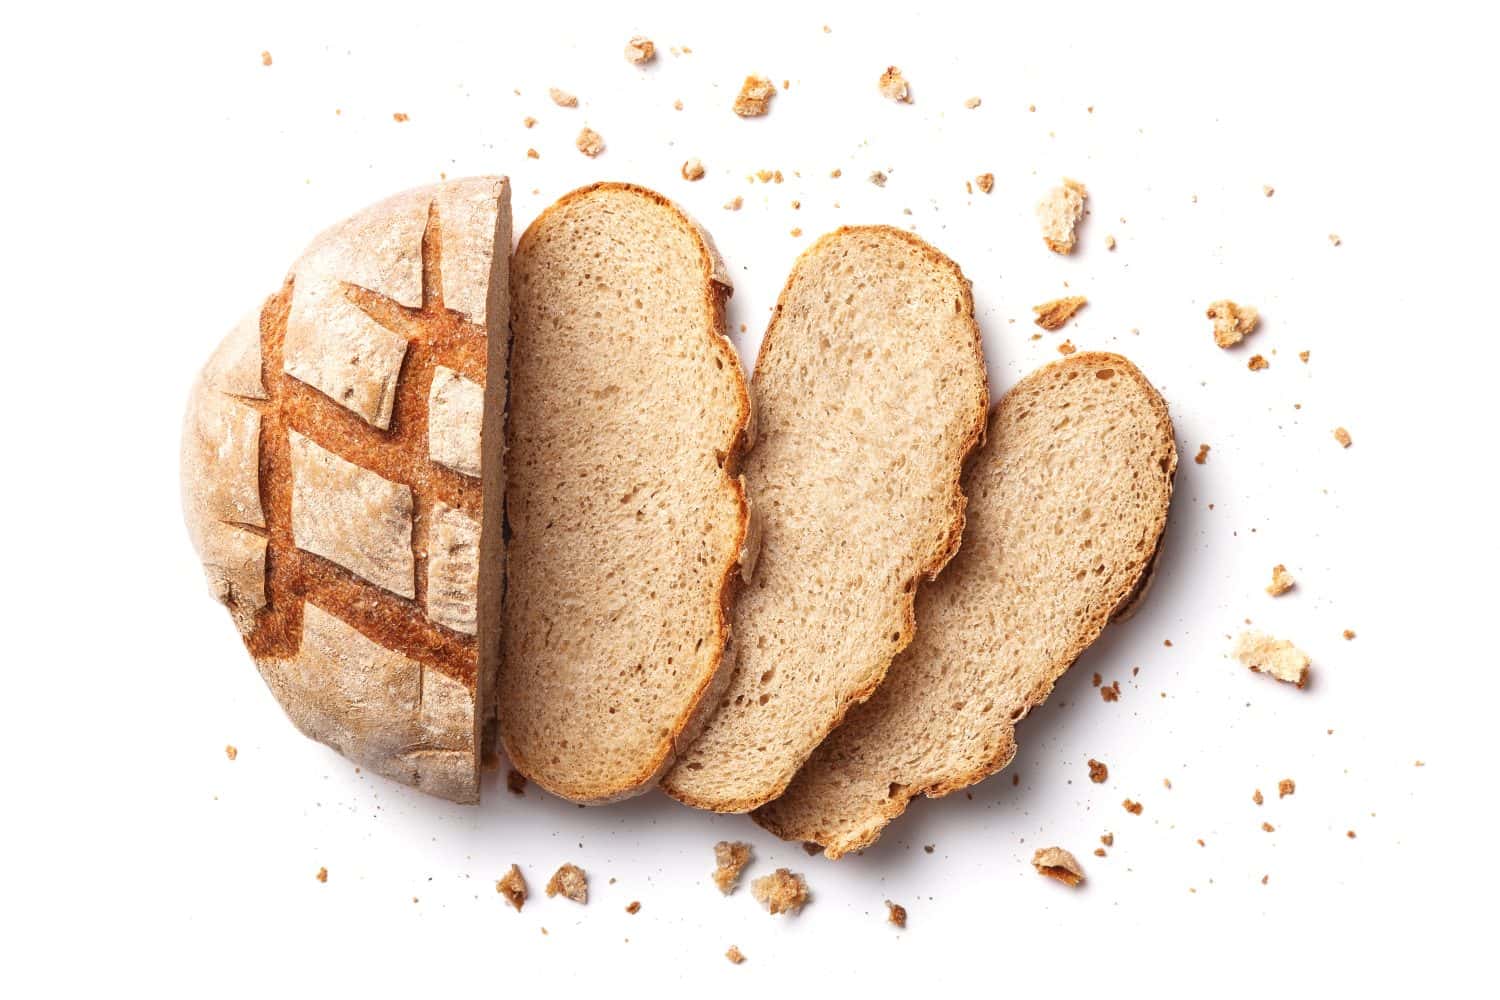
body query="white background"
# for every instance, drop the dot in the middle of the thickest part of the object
(159, 180)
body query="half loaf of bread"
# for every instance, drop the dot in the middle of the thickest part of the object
(342, 481)
(870, 391)
(628, 522)
(1067, 505)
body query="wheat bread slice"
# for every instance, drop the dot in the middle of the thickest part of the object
(870, 391)
(628, 412)
(1067, 504)
(342, 477)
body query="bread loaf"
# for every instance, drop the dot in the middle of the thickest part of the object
(870, 391)
(343, 484)
(628, 413)
(1067, 505)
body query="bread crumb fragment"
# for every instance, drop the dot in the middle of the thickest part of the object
(985, 182)
(1054, 862)
(783, 891)
(515, 782)
(512, 885)
(1342, 437)
(528, 122)
(1267, 190)
(893, 86)
(731, 858)
(1285, 787)
(265, 58)
(895, 913)
(734, 203)
(1059, 213)
(1232, 322)
(878, 178)
(633, 907)
(1257, 798)
(1258, 362)
(1281, 581)
(401, 116)
(677, 105)
(1109, 242)
(640, 50)
(692, 170)
(571, 881)
(1202, 457)
(1276, 657)
(1100, 852)
(532, 154)
(1334, 239)
(231, 751)
(562, 98)
(1268, 827)
(1349, 834)
(1304, 355)
(1109, 692)
(1133, 807)
(322, 875)
(754, 98)
(734, 955)
(972, 103)
(590, 143)
(1052, 315)
(1066, 348)
(1107, 839)
(1098, 771)
(1348, 633)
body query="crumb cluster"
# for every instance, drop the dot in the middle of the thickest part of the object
(731, 858)
(1232, 322)
(783, 891)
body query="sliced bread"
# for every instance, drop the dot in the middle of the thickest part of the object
(628, 413)
(869, 391)
(1067, 505)
(342, 478)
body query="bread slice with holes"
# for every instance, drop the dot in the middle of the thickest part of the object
(1067, 505)
(628, 522)
(342, 481)
(870, 391)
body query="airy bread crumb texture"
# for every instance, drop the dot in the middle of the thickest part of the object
(1054, 862)
(640, 50)
(1281, 581)
(894, 87)
(731, 858)
(754, 98)
(1053, 315)
(571, 882)
(1059, 213)
(512, 885)
(1232, 322)
(589, 142)
(1276, 657)
(783, 891)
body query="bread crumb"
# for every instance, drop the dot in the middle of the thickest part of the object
(1257, 798)
(692, 170)
(512, 885)
(1132, 807)
(1166, 783)
(322, 875)
(1107, 839)
(734, 203)
(1066, 348)
(528, 122)
(562, 98)
(1334, 239)
(1285, 787)
(1031, 107)
(1202, 457)
(571, 881)
(1059, 214)
(985, 182)
(590, 143)
(1100, 852)
(1258, 362)
(796, 231)
(265, 58)
(515, 782)
(783, 891)
(677, 105)
(231, 751)
(1098, 679)
(1109, 242)
(1098, 771)
(532, 154)
(1342, 437)
(731, 858)
(734, 955)
(401, 116)
(878, 179)
(893, 86)
(1348, 633)
(1109, 692)
(1052, 315)
(895, 913)
(1304, 355)
(640, 50)
(754, 98)
(972, 103)
(1349, 834)
(1268, 827)
(1054, 862)
(1267, 190)
(633, 907)
(1281, 581)
(1232, 322)
(1277, 657)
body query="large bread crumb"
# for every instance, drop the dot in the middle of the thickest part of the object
(1052, 315)
(640, 50)
(1232, 322)
(1054, 862)
(590, 143)
(571, 882)
(1098, 771)
(731, 858)
(513, 887)
(1281, 581)
(562, 98)
(754, 98)
(783, 891)
(1059, 214)
(893, 86)
(1276, 657)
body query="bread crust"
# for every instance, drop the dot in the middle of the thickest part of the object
(948, 546)
(1002, 745)
(717, 288)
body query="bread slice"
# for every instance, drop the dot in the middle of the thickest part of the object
(1068, 501)
(870, 391)
(342, 478)
(628, 413)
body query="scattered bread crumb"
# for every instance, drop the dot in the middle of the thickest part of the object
(734, 203)
(1166, 783)
(1304, 355)
(985, 182)
(972, 103)
(731, 858)
(640, 50)
(1257, 798)
(1098, 771)
(734, 955)
(512, 885)
(401, 116)
(590, 143)
(1348, 633)
(633, 907)
(783, 891)
(1349, 834)
(1268, 827)
(1052, 315)
(1267, 190)
(1258, 362)
(692, 170)
(322, 875)
(515, 782)
(1109, 692)
(1285, 787)
(1054, 862)
(1132, 807)
(1342, 437)
(677, 105)
(1031, 107)
(562, 98)
(895, 913)
(1059, 213)
(1098, 679)
(571, 881)
(1232, 322)
(1277, 657)
(754, 98)
(796, 231)
(1281, 581)
(532, 154)
(1202, 457)
(893, 86)
(1109, 242)
(1066, 348)
(1100, 852)
(1334, 239)
(1107, 839)
(528, 121)
(878, 178)
(265, 58)
(231, 751)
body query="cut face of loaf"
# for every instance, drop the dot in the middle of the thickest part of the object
(628, 412)
(870, 391)
(342, 482)
(1067, 503)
